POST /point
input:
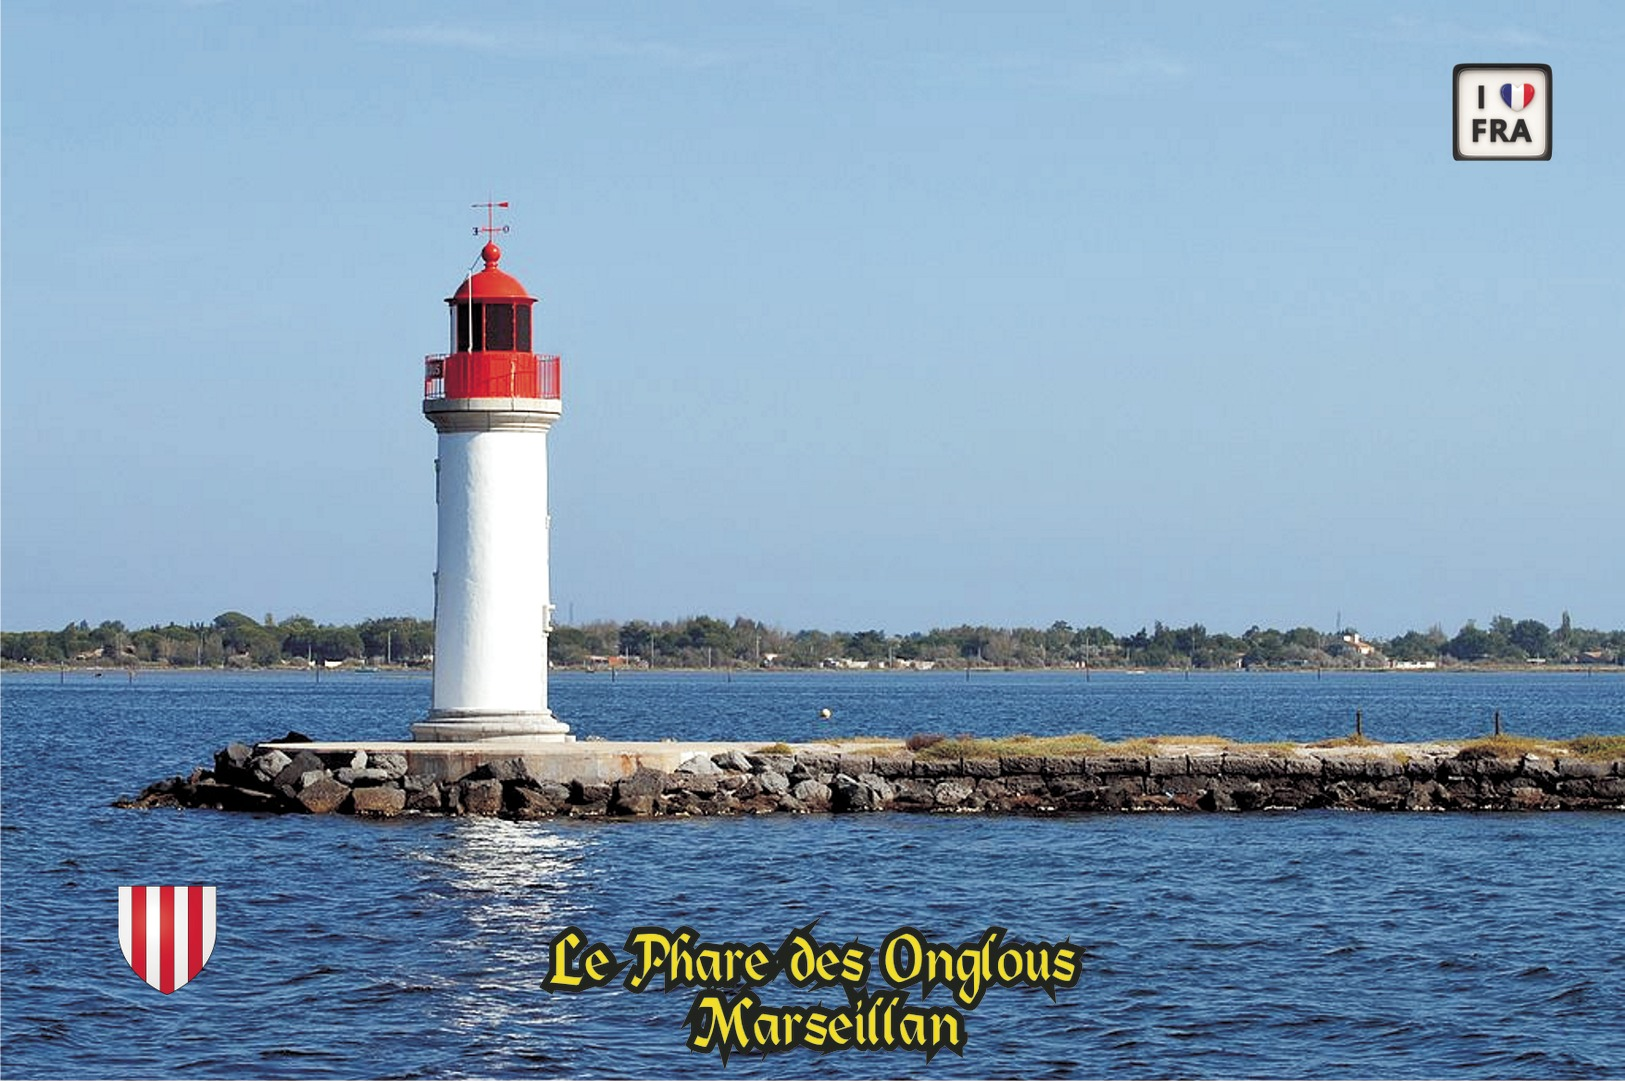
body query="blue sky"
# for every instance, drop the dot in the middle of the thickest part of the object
(872, 315)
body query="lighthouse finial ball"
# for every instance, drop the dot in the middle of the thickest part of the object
(490, 253)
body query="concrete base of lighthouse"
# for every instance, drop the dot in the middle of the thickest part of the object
(475, 726)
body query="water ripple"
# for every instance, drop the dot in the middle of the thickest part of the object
(1318, 944)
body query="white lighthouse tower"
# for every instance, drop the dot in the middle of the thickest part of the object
(492, 400)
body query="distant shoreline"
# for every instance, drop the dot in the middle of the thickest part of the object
(108, 668)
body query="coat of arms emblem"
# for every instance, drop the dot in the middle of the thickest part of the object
(166, 932)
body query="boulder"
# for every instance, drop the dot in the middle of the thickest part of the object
(324, 795)
(951, 793)
(1528, 798)
(553, 790)
(359, 777)
(990, 791)
(481, 797)
(1609, 789)
(759, 805)
(912, 794)
(527, 803)
(1020, 763)
(1252, 765)
(892, 766)
(268, 764)
(733, 761)
(1499, 767)
(882, 788)
(812, 795)
(423, 796)
(773, 782)
(392, 763)
(503, 769)
(1078, 793)
(1026, 784)
(292, 776)
(739, 786)
(1338, 766)
(1579, 767)
(636, 805)
(818, 765)
(698, 764)
(227, 797)
(855, 764)
(1248, 796)
(151, 796)
(1538, 767)
(378, 801)
(850, 794)
(1176, 784)
(1422, 767)
(586, 794)
(778, 763)
(645, 782)
(231, 763)
(635, 795)
(700, 783)
(1167, 765)
(937, 767)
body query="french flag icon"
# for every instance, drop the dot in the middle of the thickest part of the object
(1517, 95)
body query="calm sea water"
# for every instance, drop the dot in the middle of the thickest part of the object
(1326, 944)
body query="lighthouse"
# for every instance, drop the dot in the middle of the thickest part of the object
(491, 400)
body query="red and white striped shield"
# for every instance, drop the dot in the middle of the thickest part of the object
(166, 932)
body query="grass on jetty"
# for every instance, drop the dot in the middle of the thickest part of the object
(1594, 747)
(1597, 747)
(935, 745)
(1352, 740)
(1591, 746)
(1506, 745)
(930, 746)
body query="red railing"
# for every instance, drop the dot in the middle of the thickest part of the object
(491, 375)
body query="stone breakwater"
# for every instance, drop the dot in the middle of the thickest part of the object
(379, 784)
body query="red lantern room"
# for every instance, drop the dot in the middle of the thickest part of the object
(491, 353)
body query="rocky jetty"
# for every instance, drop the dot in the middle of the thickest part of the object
(284, 779)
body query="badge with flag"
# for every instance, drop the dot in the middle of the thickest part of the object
(1517, 95)
(166, 932)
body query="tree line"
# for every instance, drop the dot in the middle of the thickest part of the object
(233, 639)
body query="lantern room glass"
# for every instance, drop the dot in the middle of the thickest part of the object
(490, 327)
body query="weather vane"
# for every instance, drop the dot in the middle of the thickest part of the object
(490, 228)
